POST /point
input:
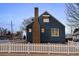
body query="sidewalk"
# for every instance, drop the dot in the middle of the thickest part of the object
(36, 54)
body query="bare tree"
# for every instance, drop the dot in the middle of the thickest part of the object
(26, 22)
(72, 13)
(3, 31)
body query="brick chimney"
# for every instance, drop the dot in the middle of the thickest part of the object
(36, 28)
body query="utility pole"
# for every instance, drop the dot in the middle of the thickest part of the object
(12, 31)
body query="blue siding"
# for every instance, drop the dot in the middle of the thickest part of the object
(29, 37)
(46, 36)
(29, 34)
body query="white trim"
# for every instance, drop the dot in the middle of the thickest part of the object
(53, 30)
(30, 30)
(46, 15)
(42, 30)
(45, 19)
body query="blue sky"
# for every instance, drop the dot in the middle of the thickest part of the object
(18, 12)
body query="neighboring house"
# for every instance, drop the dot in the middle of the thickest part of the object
(45, 29)
(68, 37)
(76, 35)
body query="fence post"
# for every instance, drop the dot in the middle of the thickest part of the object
(68, 47)
(9, 47)
(48, 48)
(28, 49)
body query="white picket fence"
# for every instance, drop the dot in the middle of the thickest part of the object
(71, 47)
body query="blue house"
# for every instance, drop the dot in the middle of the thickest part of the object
(45, 28)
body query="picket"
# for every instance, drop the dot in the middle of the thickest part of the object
(71, 47)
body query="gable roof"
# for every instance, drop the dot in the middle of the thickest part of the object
(46, 13)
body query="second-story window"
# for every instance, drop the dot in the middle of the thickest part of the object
(45, 18)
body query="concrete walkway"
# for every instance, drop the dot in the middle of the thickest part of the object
(36, 54)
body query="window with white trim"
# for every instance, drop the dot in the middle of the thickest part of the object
(30, 30)
(55, 32)
(42, 30)
(45, 18)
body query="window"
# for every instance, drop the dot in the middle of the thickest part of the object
(42, 30)
(55, 32)
(30, 30)
(45, 18)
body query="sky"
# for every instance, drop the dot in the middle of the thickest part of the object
(17, 12)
